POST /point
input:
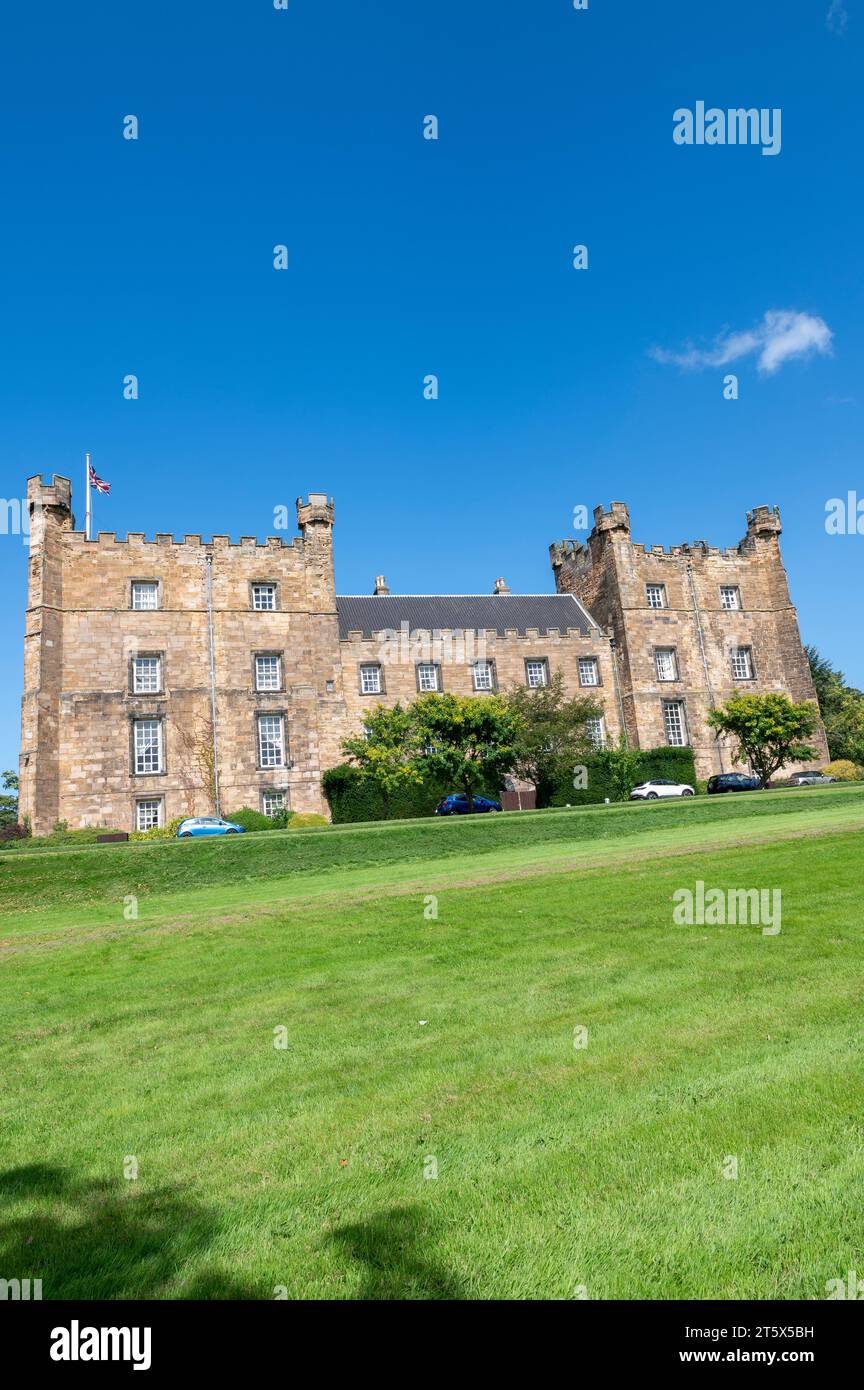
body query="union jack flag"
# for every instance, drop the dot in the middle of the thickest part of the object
(99, 483)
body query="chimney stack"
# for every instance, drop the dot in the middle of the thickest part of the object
(501, 587)
(380, 585)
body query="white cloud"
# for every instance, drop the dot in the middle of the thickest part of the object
(783, 335)
(837, 17)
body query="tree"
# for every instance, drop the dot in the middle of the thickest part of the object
(387, 753)
(9, 804)
(842, 709)
(769, 731)
(554, 732)
(622, 765)
(471, 741)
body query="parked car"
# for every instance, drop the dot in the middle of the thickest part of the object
(207, 825)
(809, 779)
(457, 805)
(660, 786)
(733, 782)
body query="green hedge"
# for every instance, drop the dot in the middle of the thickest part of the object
(674, 763)
(353, 798)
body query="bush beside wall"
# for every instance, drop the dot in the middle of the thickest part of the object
(675, 763)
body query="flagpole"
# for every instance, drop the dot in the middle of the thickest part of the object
(87, 522)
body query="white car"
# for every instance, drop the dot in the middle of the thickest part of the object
(660, 786)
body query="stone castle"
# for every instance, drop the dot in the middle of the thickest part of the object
(168, 678)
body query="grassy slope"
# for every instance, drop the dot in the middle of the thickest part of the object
(95, 873)
(557, 1167)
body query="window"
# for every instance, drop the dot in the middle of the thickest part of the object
(588, 671)
(271, 743)
(370, 680)
(742, 663)
(484, 675)
(656, 595)
(427, 676)
(145, 596)
(264, 597)
(594, 728)
(147, 744)
(268, 673)
(673, 721)
(535, 674)
(148, 814)
(146, 675)
(666, 664)
(272, 802)
(730, 598)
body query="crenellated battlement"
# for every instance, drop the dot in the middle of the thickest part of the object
(138, 539)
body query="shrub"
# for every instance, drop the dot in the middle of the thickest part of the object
(250, 820)
(304, 820)
(282, 819)
(675, 763)
(13, 832)
(353, 797)
(159, 832)
(842, 770)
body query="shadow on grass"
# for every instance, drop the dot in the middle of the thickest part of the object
(392, 1248)
(107, 1239)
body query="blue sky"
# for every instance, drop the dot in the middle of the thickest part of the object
(407, 257)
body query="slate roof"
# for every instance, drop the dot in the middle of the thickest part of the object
(371, 613)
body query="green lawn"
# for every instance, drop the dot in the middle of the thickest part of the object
(414, 1042)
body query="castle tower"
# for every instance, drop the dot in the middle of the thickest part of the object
(693, 625)
(50, 517)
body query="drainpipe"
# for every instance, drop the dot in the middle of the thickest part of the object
(708, 685)
(212, 646)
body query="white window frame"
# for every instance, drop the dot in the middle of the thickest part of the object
(540, 668)
(259, 590)
(596, 730)
(741, 659)
(368, 685)
(138, 588)
(424, 668)
(276, 799)
(271, 747)
(141, 749)
(150, 802)
(588, 664)
(730, 591)
(488, 671)
(137, 687)
(658, 591)
(268, 657)
(676, 726)
(671, 655)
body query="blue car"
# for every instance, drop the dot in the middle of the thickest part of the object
(207, 825)
(458, 805)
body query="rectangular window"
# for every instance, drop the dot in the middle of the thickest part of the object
(271, 742)
(268, 673)
(595, 731)
(656, 595)
(264, 597)
(147, 743)
(666, 664)
(145, 596)
(730, 598)
(742, 663)
(588, 671)
(272, 802)
(146, 675)
(370, 680)
(535, 674)
(148, 814)
(484, 676)
(427, 676)
(673, 722)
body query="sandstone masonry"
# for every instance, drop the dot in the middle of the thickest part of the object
(165, 678)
